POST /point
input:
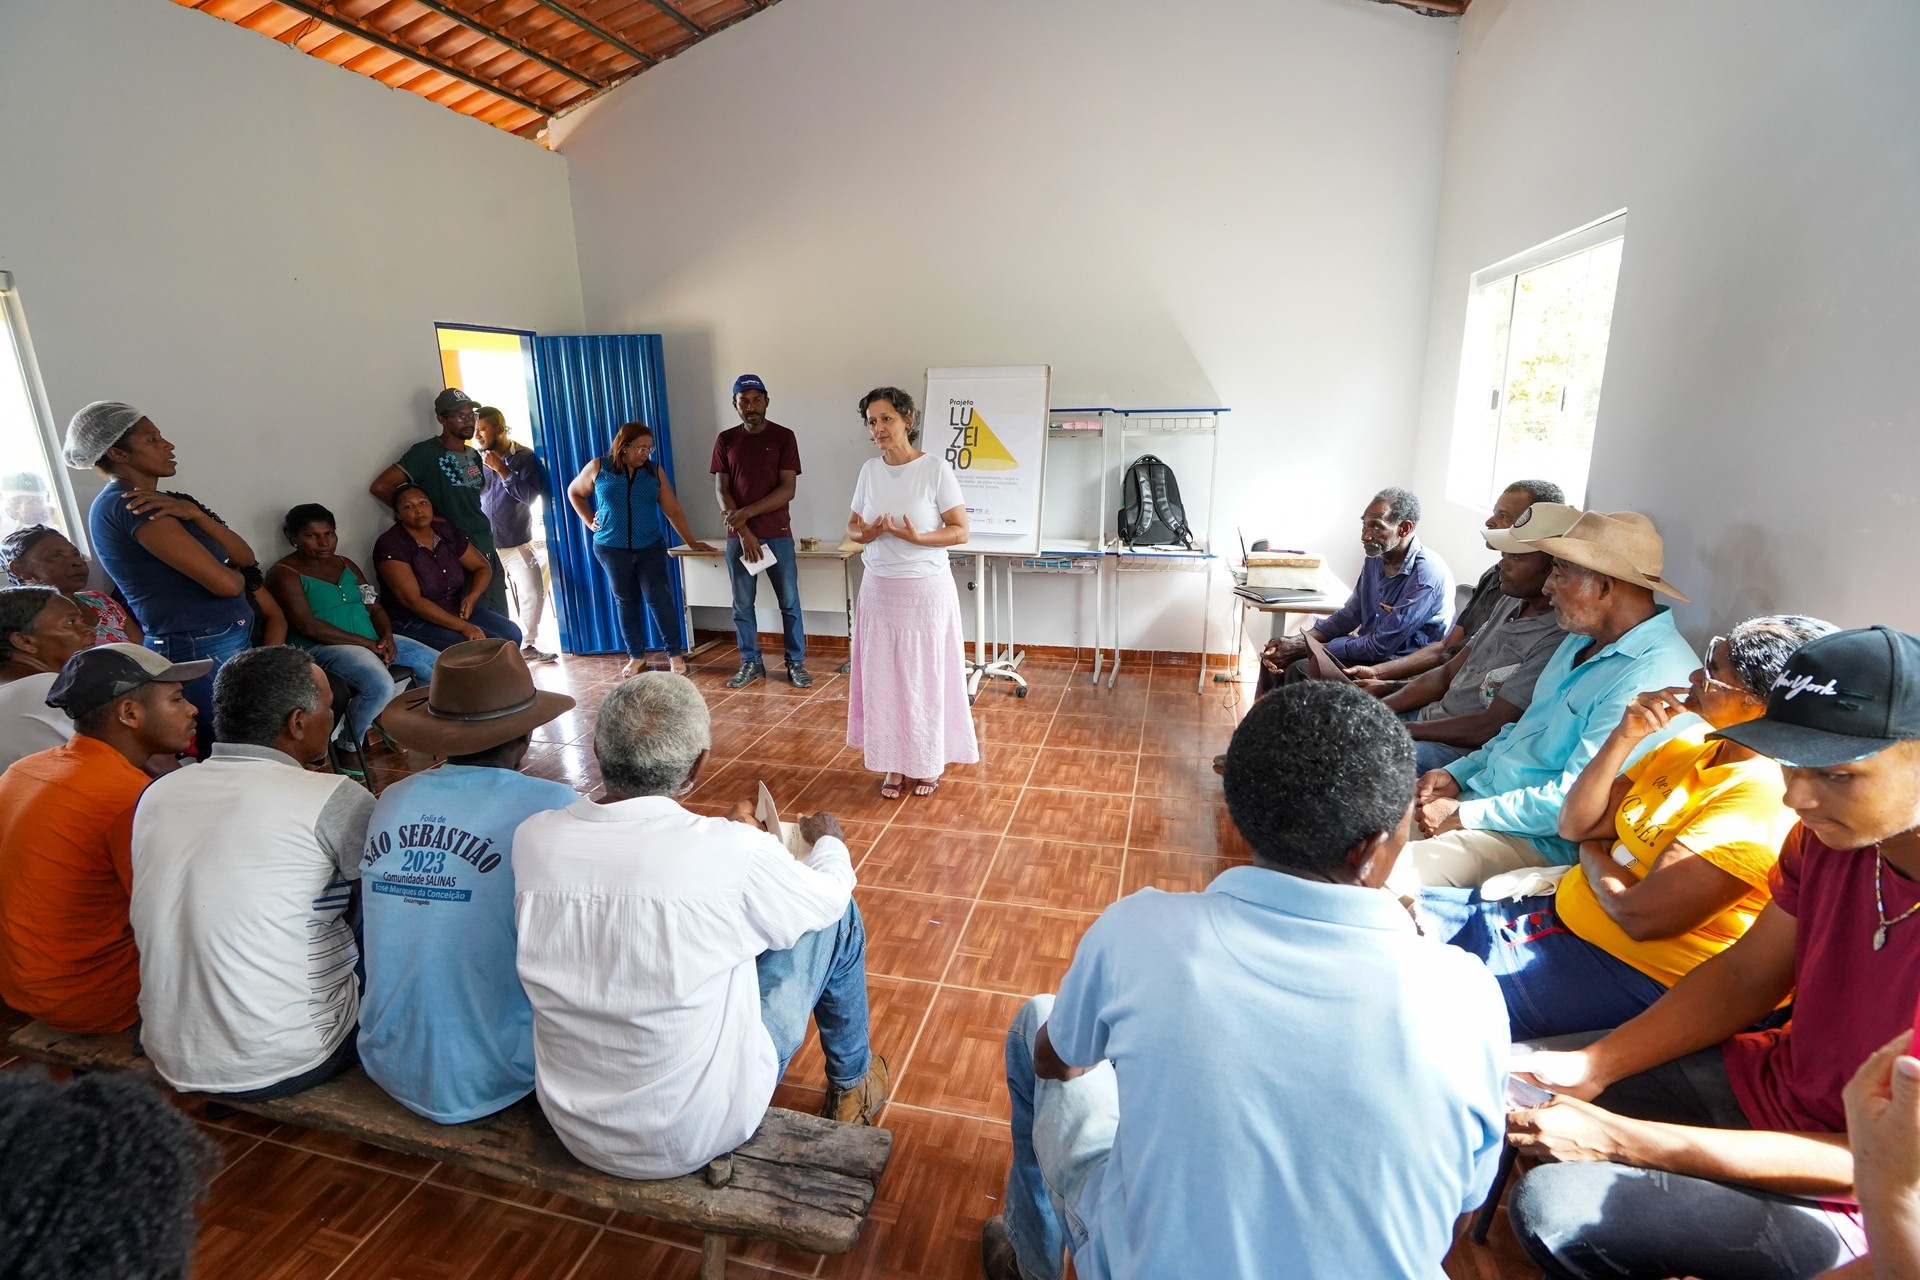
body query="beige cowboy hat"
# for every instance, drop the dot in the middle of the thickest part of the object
(481, 696)
(1541, 520)
(1620, 544)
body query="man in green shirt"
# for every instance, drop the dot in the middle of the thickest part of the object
(447, 467)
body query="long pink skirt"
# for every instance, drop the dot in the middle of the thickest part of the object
(907, 696)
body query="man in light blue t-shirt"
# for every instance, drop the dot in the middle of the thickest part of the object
(1278, 1077)
(445, 1026)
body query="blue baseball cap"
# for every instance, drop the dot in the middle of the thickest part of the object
(748, 382)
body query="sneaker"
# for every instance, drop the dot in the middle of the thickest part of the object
(859, 1105)
(532, 654)
(746, 675)
(801, 677)
(997, 1260)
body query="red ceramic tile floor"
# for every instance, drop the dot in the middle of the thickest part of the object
(973, 899)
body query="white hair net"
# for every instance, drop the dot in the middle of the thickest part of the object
(96, 429)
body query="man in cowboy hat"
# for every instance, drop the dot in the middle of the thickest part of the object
(1498, 809)
(445, 1026)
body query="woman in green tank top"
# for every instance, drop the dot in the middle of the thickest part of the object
(333, 612)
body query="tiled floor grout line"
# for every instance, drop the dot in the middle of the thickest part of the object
(1000, 842)
(585, 1253)
(372, 1231)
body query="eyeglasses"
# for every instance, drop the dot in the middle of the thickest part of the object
(1706, 654)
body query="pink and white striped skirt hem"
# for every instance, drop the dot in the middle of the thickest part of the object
(907, 695)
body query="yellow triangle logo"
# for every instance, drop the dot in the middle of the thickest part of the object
(979, 449)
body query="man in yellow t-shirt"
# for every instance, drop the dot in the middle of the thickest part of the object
(1675, 851)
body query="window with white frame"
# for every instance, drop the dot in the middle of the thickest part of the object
(33, 479)
(1534, 352)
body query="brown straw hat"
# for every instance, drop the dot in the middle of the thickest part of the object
(482, 695)
(1620, 544)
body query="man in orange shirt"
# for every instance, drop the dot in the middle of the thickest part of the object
(66, 819)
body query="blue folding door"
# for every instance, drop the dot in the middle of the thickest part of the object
(586, 387)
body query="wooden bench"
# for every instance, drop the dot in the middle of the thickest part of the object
(799, 1180)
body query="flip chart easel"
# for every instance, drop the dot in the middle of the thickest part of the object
(990, 423)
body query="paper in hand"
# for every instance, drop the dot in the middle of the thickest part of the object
(764, 563)
(768, 817)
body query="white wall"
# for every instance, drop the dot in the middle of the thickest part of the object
(1760, 390)
(253, 246)
(1231, 204)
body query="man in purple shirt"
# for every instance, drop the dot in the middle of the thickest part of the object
(756, 468)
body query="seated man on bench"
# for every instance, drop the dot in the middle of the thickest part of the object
(1489, 682)
(672, 959)
(242, 872)
(1275, 1076)
(1690, 1145)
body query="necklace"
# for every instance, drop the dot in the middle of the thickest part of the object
(1880, 905)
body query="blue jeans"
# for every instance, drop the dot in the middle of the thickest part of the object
(639, 576)
(785, 576)
(367, 679)
(436, 637)
(824, 975)
(217, 643)
(1062, 1133)
(1555, 983)
(1428, 756)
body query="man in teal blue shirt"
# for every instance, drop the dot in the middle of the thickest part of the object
(1499, 808)
(445, 1026)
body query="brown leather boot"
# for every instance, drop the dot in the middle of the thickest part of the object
(860, 1104)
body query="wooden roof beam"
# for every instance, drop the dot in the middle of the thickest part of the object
(678, 17)
(502, 38)
(405, 49)
(588, 25)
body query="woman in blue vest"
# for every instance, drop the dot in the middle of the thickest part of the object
(627, 502)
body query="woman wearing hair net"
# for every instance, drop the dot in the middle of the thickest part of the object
(186, 576)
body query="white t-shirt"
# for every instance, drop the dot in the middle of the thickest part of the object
(241, 870)
(919, 490)
(27, 723)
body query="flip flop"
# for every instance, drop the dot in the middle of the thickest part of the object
(890, 790)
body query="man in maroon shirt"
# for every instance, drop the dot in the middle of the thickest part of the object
(1689, 1145)
(756, 468)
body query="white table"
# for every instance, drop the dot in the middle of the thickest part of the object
(826, 586)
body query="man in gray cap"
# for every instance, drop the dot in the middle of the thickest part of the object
(448, 468)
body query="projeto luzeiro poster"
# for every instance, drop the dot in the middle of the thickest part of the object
(990, 424)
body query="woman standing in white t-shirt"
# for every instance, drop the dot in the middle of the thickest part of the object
(907, 700)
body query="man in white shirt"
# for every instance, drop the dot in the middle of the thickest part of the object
(242, 871)
(672, 959)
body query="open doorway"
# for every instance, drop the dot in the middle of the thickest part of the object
(495, 367)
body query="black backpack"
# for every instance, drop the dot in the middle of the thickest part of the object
(1150, 510)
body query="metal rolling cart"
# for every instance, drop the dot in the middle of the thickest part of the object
(1138, 424)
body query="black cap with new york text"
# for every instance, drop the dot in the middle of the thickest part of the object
(1842, 697)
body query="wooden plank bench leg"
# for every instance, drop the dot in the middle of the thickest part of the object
(713, 1257)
